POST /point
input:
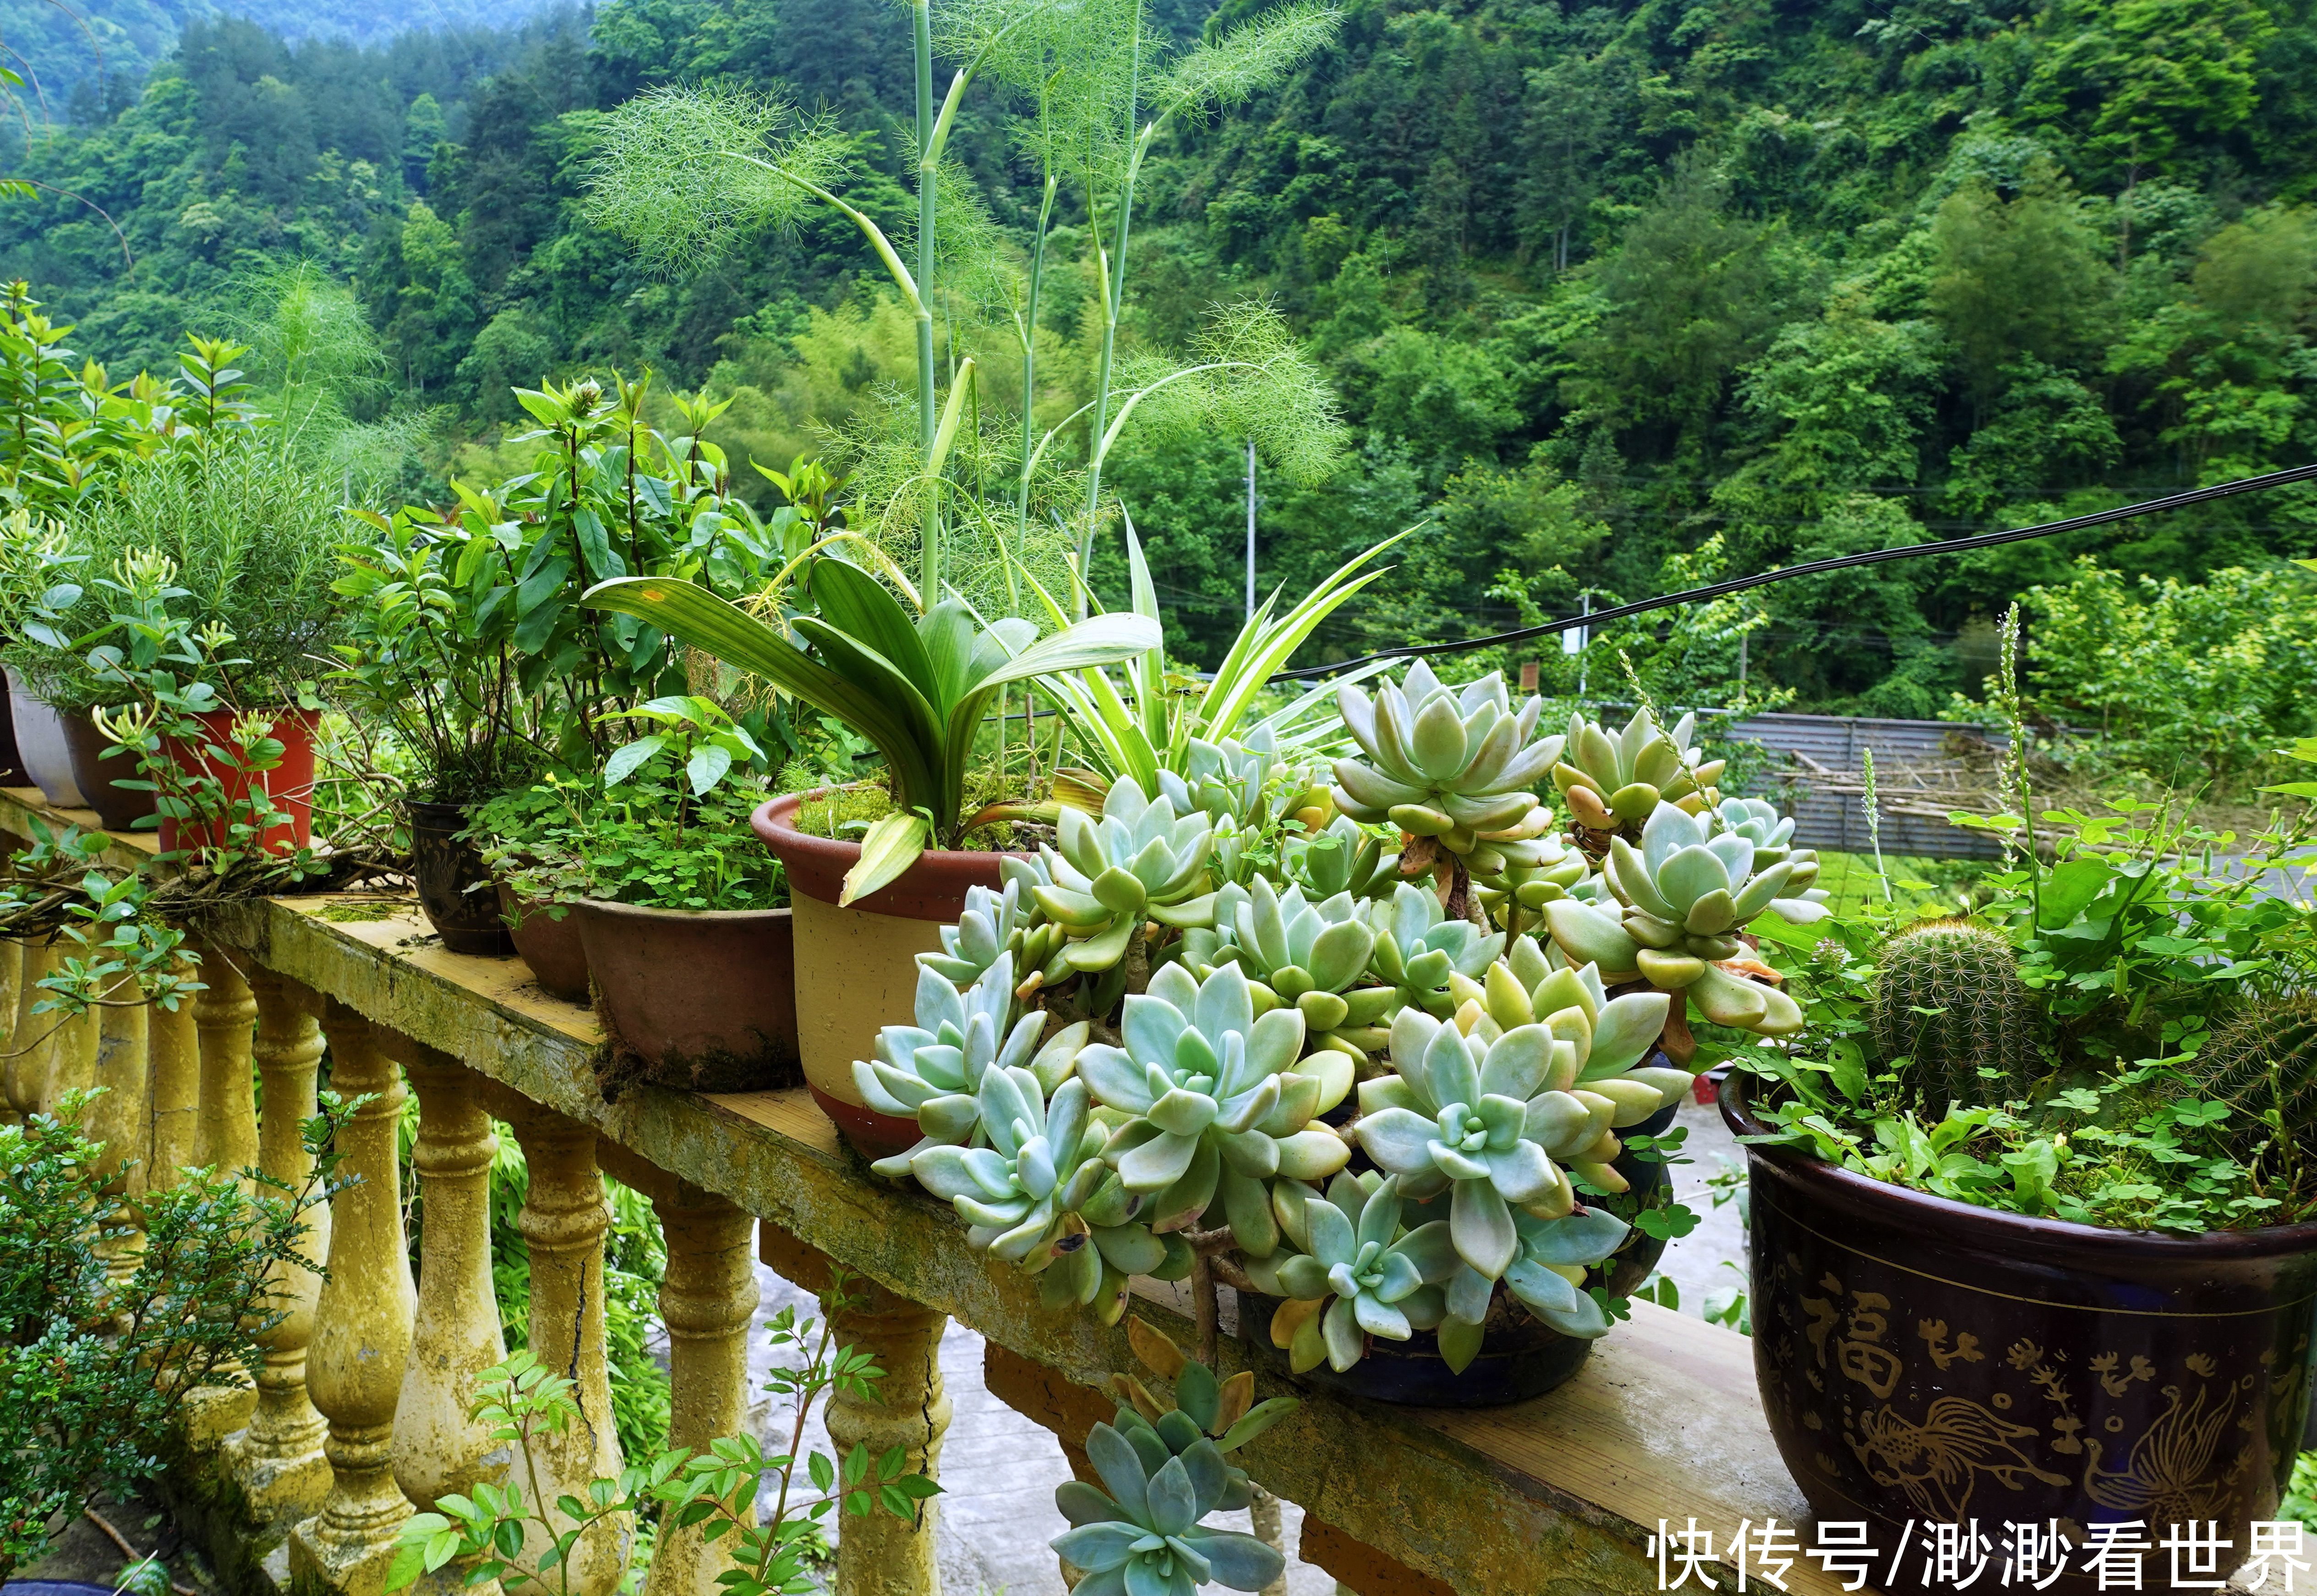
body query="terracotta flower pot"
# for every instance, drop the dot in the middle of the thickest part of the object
(454, 885)
(707, 999)
(40, 744)
(551, 945)
(288, 785)
(1520, 1356)
(1924, 1359)
(856, 967)
(99, 777)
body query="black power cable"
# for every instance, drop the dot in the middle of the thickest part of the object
(2180, 501)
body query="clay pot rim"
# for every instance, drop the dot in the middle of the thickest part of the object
(1943, 1220)
(938, 876)
(611, 909)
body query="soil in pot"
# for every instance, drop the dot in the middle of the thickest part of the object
(40, 744)
(547, 938)
(703, 1000)
(99, 776)
(454, 885)
(1921, 1360)
(856, 965)
(289, 786)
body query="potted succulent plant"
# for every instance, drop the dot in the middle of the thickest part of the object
(918, 687)
(1134, 1057)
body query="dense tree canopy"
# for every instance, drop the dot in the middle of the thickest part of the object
(1595, 282)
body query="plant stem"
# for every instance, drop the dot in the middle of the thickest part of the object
(929, 536)
(1030, 373)
(1113, 286)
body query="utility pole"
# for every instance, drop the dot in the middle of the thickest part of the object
(1250, 531)
(1573, 641)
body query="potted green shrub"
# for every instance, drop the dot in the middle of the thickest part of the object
(917, 687)
(2034, 1205)
(1161, 1045)
(683, 919)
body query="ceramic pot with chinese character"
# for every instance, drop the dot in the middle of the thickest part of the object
(1925, 1362)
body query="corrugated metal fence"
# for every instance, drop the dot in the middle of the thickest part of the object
(1816, 768)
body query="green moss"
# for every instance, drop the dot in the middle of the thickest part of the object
(357, 913)
(848, 811)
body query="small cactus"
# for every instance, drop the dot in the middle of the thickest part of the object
(2262, 1057)
(1949, 1000)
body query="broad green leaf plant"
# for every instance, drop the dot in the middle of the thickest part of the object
(916, 686)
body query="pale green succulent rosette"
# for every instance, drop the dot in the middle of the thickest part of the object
(1137, 862)
(1360, 1270)
(1612, 781)
(1417, 949)
(1686, 892)
(1453, 764)
(1546, 1277)
(1209, 1103)
(1039, 1194)
(1140, 1533)
(932, 1072)
(992, 922)
(1312, 956)
(1346, 857)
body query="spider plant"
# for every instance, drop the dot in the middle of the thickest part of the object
(1140, 728)
(916, 686)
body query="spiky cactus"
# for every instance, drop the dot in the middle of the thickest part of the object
(2262, 1059)
(1949, 1000)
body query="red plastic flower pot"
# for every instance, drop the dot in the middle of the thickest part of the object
(290, 784)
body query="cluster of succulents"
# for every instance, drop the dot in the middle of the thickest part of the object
(1244, 1017)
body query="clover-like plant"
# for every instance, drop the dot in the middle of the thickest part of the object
(1612, 781)
(1452, 764)
(932, 1072)
(1361, 1273)
(1686, 892)
(1209, 1102)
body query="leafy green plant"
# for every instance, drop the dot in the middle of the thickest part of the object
(917, 687)
(649, 840)
(716, 1490)
(94, 1373)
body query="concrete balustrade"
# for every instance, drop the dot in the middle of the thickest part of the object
(359, 1413)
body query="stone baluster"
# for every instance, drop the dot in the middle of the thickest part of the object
(278, 1460)
(563, 1220)
(706, 1299)
(32, 1043)
(173, 1089)
(11, 984)
(880, 1554)
(225, 1140)
(361, 1330)
(73, 1041)
(118, 1119)
(438, 1448)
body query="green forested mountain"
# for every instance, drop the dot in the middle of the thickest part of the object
(1602, 286)
(75, 54)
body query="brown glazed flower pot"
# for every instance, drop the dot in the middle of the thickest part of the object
(856, 965)
(454, 885)
(552, 946)
(99, 778)
(707, 999)
(1923, 1360)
